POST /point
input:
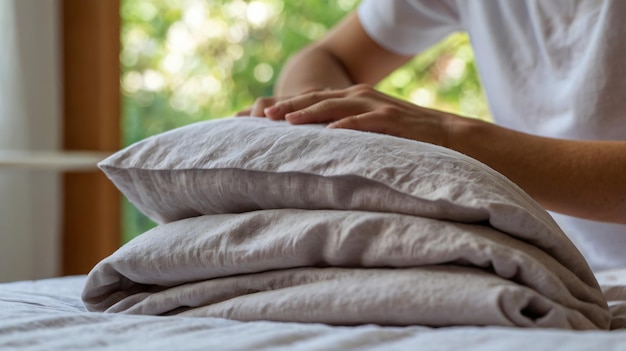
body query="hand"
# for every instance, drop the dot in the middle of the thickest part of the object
(263, 103)
(361, 107)
(257, 109)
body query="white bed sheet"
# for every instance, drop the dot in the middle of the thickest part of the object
(49, 315)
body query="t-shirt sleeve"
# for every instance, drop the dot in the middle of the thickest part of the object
(408, 27)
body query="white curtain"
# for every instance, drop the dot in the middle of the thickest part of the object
(30, 114)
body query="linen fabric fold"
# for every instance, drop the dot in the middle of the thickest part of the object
(258, 214)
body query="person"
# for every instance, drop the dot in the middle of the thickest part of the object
(554, 74)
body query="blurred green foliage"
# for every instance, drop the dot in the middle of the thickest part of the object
(189, 60)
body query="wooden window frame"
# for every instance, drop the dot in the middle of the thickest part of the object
(90, 37)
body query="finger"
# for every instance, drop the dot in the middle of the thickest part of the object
(372, 121)
(379, 122)
(296, 103)
(328, 110)
(244, 113)
(260, 105)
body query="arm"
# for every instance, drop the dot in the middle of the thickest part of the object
(585, 179)
(344, 57)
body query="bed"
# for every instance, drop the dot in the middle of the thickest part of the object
(49, 315)
(273, 236)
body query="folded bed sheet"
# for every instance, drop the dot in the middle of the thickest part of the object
(49, 315)
(260, 220)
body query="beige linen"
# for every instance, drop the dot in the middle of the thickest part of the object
(336, 226)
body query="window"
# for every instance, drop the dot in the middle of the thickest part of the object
(191, 60)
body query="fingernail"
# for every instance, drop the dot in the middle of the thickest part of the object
(332, 125)
(271, 110)
(294, 116)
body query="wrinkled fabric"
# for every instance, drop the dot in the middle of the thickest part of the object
(262, 220)
(553, 68)
(343, 268)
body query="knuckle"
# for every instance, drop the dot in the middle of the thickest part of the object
(309, 90)
(388, 110)
(352, 121)
(315, 95)
(325, 104)
(362, 90)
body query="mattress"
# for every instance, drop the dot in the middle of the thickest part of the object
(49, 315)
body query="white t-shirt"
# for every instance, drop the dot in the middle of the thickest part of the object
(555, 68)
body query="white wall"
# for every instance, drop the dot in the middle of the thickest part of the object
(30, 114)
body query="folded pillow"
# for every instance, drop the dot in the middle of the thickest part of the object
(238, 165)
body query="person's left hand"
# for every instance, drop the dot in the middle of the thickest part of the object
(361, 107)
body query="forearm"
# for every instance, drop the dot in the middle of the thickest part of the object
(586, 179)
(344, 57)
(314, 68)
